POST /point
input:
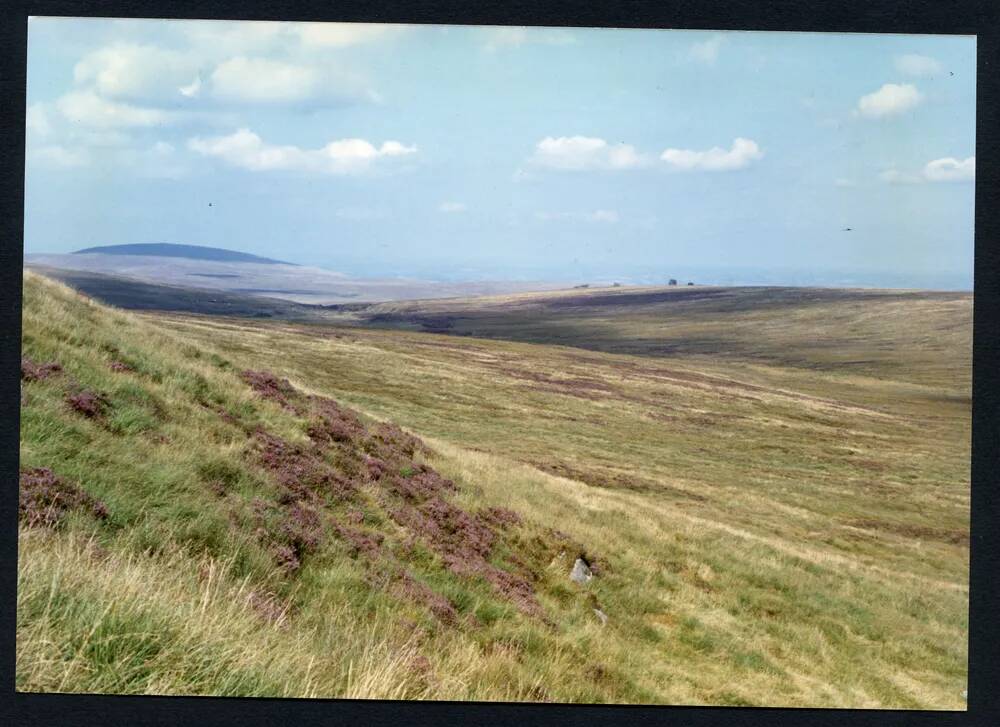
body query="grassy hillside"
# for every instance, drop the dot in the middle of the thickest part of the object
(761, 533)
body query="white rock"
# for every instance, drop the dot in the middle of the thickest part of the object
(581, 572)
(601, 616)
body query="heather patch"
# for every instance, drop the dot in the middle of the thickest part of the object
(360, 542)
(45, 498)
(464, 544)
(32, 371)
(121, 367)
(289, 532)
(423, 484)
(499, 517)
(375, 468)
(334, 423)
(391, 442)
(407, 587)
(269, 386)
(88, 403)
(386, 455)
(301, 471)
(302, 528)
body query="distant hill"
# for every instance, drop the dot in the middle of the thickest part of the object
(193, 252)
(136, 294)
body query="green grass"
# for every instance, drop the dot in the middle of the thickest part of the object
(773, 534)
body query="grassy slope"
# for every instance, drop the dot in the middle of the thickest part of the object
(773, 535)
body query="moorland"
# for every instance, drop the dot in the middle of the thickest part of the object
(769, 488)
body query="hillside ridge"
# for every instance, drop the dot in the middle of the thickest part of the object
(169, 249)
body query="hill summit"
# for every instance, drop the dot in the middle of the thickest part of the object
(193, 252)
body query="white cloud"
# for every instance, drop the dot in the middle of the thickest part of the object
(160, 160)
(46, 123)
(707, 51)
(585, 153)
(89, 109)
(155, 76)
(228, 37)
(340, 35)
(578, 153)
(132, 71)
(192, 89)
(913, 64)
(251, 80)
(890, 100)
(56, 155)
(245, 149)
(452, 207)
(842, 182)
(515, 37)
(742, 153)
(262, 80)
(241, 37)
(157, 160)
(36, 120)
(947, 169)
(950, 169)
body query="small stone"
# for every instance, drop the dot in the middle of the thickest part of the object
(581, 572)
(601, 616)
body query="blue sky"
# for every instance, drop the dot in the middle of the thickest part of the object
(509, 153)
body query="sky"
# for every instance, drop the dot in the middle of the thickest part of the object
(457, 152)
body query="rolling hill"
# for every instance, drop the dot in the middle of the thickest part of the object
(771, 488)
(190, 252)
(861, 331)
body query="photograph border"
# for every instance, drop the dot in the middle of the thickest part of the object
(856, 16)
